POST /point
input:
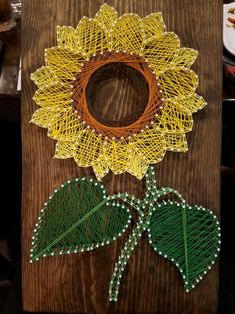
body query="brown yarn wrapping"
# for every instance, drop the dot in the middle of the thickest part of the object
(132, 124)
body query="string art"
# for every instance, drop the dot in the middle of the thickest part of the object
(143, 138)
(80, 216)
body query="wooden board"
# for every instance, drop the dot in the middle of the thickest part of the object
(79, 283)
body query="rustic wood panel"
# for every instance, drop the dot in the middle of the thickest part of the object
(79, 283)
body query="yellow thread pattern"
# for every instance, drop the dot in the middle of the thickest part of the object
(159, 51)
(129, 34)
(91, 37)
(106, 17)
(153, 25)
(67, 38)
(63, 63)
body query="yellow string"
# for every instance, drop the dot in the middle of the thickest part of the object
(129, 34)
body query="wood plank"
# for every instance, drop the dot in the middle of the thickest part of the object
(79, 283)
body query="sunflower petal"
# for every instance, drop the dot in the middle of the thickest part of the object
(185, 57)
(65, 149)
(175, 119)
(64, 63)
(66, 127)
(178, 83)
(193, 103)
(67, 38)
(100, 168)
(91, 37)
(54, 97)
(160, 51)
(117, 156)
(176, 142)
(43, 77)
(88, 149)
(150, 144)
(153, 25)
(127, 34)
(137, 166)
(106, 17)
(43, 118)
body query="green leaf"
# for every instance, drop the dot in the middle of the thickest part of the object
(189, 236)
(78, 217)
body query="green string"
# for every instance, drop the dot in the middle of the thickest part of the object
(185, 241)
(152, 196)
(131, 200)
(92, 211)
(75, 219)
(189, 236)
(124, 257)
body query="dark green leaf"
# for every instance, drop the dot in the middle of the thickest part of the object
(189, 236)
(78, 217)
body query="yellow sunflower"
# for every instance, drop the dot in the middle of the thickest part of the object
(140, 43)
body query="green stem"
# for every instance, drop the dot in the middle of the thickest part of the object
(151, 197)
(131, 200)
(154, 194)
(124, 257)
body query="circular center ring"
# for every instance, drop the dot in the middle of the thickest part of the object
(92, 105)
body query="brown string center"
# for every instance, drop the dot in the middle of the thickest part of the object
(116, 95)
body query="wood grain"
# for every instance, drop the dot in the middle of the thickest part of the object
(105, 97)
(79, 283)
